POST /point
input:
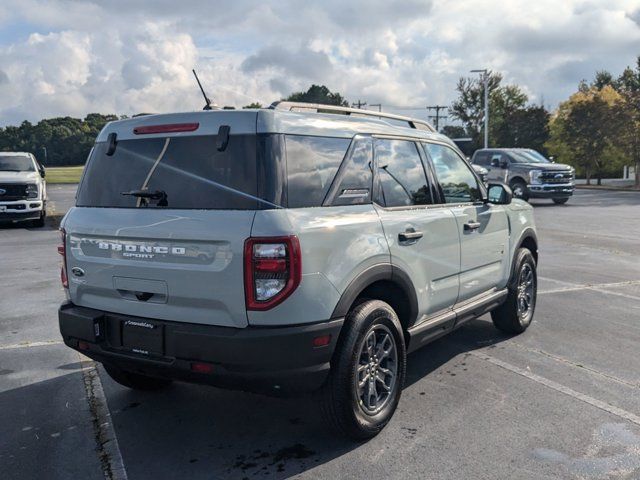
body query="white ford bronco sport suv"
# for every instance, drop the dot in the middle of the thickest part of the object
(291, 249)
(23, 191)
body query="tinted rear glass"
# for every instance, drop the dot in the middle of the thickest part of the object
(312, 162)
(190, 170)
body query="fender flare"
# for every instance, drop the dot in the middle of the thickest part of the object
(375, 273)
(526, 234)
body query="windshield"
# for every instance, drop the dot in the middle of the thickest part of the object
(175, 172)
(16, 163)
(528, 156)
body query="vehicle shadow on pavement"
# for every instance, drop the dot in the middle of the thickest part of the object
(191, 431)
(46, 425)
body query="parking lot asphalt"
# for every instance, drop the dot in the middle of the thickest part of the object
(559, 401)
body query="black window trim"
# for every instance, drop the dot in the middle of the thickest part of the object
(483, 190)
(332, 193)
(376, 178)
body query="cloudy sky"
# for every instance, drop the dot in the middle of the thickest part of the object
(71, 57)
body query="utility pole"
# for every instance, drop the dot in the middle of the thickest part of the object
(359, 104)
(437, 116)
(485, 80)
(45, 155)
(379, 105)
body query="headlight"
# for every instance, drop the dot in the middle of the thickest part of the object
(534, 176)
(32, 190)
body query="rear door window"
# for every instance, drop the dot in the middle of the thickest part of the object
(402, 179)
(189, 170)
(312, 163)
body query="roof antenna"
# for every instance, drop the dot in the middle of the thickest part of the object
(206, 99)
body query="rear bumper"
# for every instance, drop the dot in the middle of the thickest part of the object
(551, 190)
(267, 360)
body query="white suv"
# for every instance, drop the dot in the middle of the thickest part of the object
(23, 191)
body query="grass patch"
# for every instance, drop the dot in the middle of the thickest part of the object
(64, 174)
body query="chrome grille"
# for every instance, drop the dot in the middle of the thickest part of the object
(556, 177)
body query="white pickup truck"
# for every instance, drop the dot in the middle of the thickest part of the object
(23, 190)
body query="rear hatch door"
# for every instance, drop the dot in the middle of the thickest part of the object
(160, 223)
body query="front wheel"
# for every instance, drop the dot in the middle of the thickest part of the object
(519, 189)
(516, 313)
(367, 372)
(560, 201)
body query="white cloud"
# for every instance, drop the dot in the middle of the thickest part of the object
(64, 57)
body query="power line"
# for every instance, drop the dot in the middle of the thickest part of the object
(437, 116)
(359, 104)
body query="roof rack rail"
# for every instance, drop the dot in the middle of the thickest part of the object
(322, 108)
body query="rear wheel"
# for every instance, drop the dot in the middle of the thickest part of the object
(516, 313)
(519, 189)
(560, 201)
(367, 371)
(135, 380)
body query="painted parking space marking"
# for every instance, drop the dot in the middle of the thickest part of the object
(619, 412)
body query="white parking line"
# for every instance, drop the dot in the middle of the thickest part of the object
(619, 412)
(599, 287)
(31, 344)
(105, 435)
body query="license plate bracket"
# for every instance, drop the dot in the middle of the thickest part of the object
(143, 337)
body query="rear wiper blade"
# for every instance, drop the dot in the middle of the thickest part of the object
(146, 195)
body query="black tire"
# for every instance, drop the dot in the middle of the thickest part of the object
(39, 223)
(519, 189)
(560, 201)
(511, 317)
(340, 397)
(135, 381)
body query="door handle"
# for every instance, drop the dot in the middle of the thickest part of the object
(409, 235)
(471, 226)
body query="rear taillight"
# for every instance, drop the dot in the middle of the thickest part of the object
(62, 250)
(272, 270)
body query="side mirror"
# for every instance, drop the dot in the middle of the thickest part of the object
(42, 171)
(495, 162)
(504, 164)
(551, 159)
(499, 194)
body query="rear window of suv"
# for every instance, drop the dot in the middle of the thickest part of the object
(189, 169)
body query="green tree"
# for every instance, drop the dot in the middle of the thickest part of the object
(318, 94)
(511, 122)
(67, 140)
(584, 131)
(253, 105)
(454, 131)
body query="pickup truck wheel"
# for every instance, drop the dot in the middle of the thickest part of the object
(135, 381)
(519, 189)
(39, 223)
(367, 372)
(560, 201)
(516, 313)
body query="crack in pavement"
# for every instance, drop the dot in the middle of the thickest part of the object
(104, 434)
